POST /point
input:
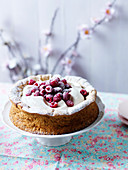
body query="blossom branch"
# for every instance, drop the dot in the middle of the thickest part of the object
(74, 45)
(47, 47)
(84, 31)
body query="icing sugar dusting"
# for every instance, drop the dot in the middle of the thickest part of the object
(37, 104)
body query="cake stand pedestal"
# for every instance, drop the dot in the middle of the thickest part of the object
(52, 140)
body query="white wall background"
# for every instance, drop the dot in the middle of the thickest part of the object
(104, 58)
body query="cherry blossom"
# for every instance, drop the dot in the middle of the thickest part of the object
(85, 31)
(109, 12)
(46, 50)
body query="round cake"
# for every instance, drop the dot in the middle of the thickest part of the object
(53, 105)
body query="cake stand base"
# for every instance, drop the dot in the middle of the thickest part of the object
(54, 141)
(51, 140)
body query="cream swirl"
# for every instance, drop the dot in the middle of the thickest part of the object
(38, 104)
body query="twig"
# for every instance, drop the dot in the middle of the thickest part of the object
(103, 19)
(75, 44)
(48, 36)
(39, 54)
(51, 26)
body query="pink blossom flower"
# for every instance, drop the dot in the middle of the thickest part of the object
(109, 12)
(95, 20)
(46, 50)
(85, 31)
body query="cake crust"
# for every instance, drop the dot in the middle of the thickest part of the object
(53, 125)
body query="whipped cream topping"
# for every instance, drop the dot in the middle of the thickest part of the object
(37, 104)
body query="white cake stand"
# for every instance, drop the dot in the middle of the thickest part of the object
(52, 140)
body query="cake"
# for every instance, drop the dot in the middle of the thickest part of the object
(52, 104)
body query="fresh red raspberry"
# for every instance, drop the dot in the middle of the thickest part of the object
(67, 90)
(64, 81)
(34, 89)
(57, 89)
(61, 84)
(47, 83)
(31, 82)
(42, 92)
(83, 92)
(49, 98)
(48, 89)
(54, 83)
(67, 86)
(37, 93)
(29, 93)
(54, 104)
(66, 96)
(35, 84)
(42, 87)
(69, 103)
(57, 97)
(58, 79)
(43, 83)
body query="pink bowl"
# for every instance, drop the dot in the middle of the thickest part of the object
(123, 111)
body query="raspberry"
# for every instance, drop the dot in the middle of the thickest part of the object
(29, 93)
(37, 93)
(53, 104)
(54, 82)
(66, 96)
(57, 97)
(49, 98)
(83, 92)
(34, 89)
(43, 83)
(64, 81)
(36, 84)
(67, 86)
(61, 84)
(31, 82)
(47, 83)
(57, 89)
(48, 89)
(66, 90)
(69, 103)
(42, 87)
(42, 92)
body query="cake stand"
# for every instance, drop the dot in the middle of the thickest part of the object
(52, 140)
